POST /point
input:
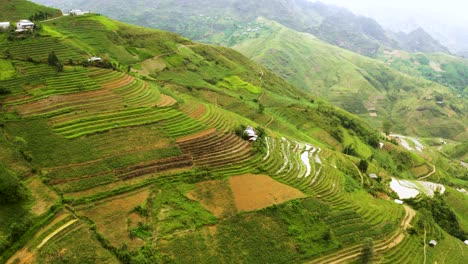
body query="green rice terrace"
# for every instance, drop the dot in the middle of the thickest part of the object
(142, 157)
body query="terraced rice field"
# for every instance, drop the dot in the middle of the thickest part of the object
(39, 50)
(302, 166)
(212, 116)
(216, 149)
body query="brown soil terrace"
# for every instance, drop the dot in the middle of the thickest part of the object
(252, 192)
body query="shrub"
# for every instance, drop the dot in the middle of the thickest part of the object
(11, 189)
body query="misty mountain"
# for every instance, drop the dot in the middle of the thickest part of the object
(449, 31)
(210, 21)
(419, 40)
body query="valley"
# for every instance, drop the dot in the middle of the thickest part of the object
(124, 144)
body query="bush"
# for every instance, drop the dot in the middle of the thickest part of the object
(363, 165)
(11, 189)
(4, 91)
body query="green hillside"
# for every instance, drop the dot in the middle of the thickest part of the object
(358, 84)
(448, 70)
(214, 21)
(141, 158)
(13, 10)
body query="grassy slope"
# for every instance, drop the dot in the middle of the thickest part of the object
(13, 10)
(355, 82)
(439, 67)
(248, 95)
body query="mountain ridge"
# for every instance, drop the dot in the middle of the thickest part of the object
(332, 24)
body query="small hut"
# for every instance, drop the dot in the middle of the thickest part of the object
(250, 132)
(432, 243)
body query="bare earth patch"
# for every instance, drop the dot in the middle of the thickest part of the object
(110, 217)
(166, 100)
(253, 192)
(215, 196)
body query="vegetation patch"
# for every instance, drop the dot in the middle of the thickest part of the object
(43, 196)
(110, 217)
(216, 196)
(235, 83)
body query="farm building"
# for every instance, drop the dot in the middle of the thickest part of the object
(398, 201)
(466, 242)
(77, 12)
(250, 132)
(4, 25)
(24, 25)
(432, 243)
(373, 176)
(94, 59)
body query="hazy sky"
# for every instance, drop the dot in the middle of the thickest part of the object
(452, 11)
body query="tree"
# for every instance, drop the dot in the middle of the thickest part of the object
(363, 165)
(261, 107)
(59, 67)
(387, 126)
(367, 251)
(52, 60)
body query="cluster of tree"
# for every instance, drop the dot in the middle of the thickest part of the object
(12, 189)
(41, 15)
(441, 213)
(4, 91)
(13, 35)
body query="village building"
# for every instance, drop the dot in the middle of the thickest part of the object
(4, 26)
(432, 243)
(24, 25)
(77, 12)
(94, 59)
(398, 201)
(373, 176)
(466, 242)
(250, 132)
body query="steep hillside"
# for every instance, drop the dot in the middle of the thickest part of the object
(360, 85)
(13, 10)
(448, 70)
(141, 157)
(213, 21)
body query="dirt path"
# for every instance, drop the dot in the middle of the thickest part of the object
(269, 122)
(348, 254)
(58, 230)
(425, 257)
(24, 255)
(434, 170)
(360, 174)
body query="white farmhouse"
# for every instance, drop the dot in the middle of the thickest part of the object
(76, 12)
(24, 25)
(250, 132)
(94, 59)
(4, 25)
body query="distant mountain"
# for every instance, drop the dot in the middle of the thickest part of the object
(451, 32)
(364, 86)
(210, 21)
(419, 40)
